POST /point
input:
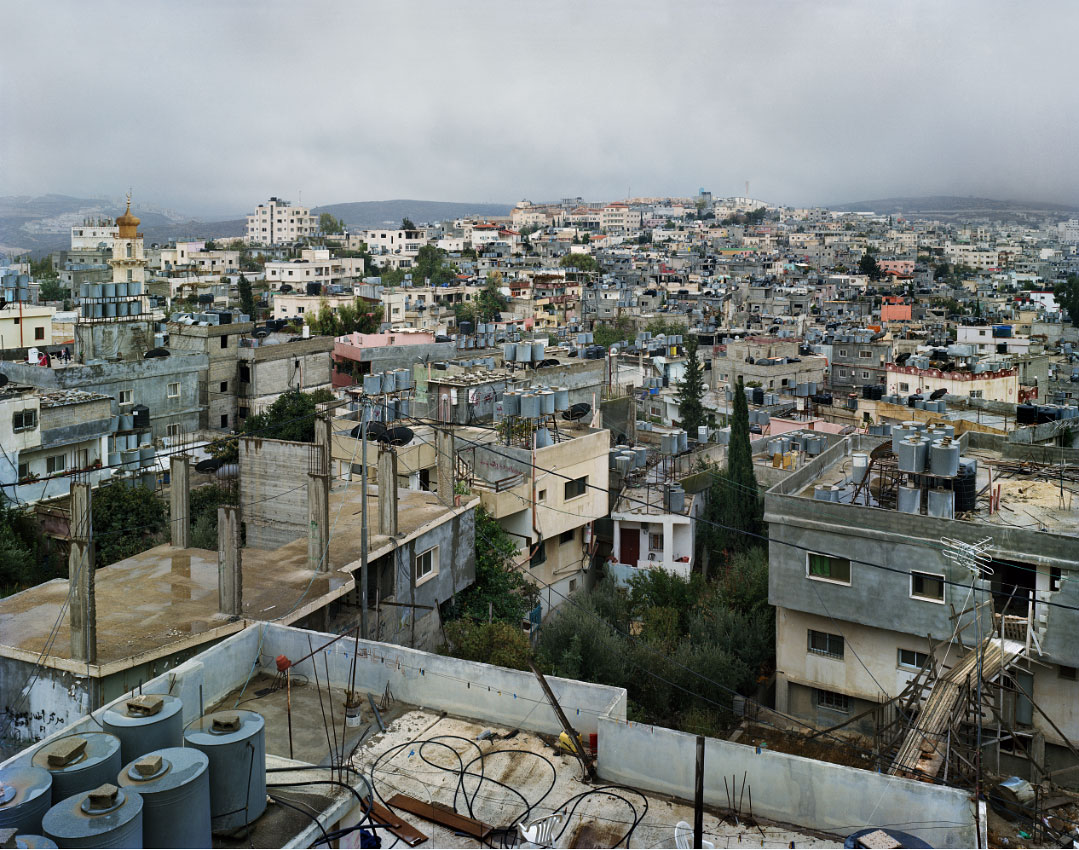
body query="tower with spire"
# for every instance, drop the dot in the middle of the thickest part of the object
(114, 321)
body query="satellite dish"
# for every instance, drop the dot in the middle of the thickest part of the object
(577, 411)
(211, 464)
(3, 379)
(375, 430)
(399, 436)
(156, 352)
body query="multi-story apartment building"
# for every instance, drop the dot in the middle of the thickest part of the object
(859, 359)
(315, 267)
(619, 218)
(866, 595)
(277, 221)
(996, 380)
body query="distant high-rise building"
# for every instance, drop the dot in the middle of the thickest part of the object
(278, 221)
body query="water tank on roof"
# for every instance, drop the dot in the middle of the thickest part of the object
(675, 499)
(941, 503)
(909, 499)
(79, 762)
(944, 458)
(913, 453)
(106, 816)
(372, 384)
(235, 744)
(174, 783)
(25, 796)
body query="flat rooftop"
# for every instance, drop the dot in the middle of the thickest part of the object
(421, 750)
(1037, 497)
(166, 599)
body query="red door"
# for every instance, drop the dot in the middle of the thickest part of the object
(630, 544)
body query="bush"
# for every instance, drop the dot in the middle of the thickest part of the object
(127, 520)
(500, 644)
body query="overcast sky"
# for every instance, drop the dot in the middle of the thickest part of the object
(212, 107)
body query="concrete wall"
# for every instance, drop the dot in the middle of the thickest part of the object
(148, 381)
(789, 789)
(273, 490)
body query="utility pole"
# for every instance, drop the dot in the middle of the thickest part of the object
(574, 738)
(365, 410)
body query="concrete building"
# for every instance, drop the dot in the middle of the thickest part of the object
(866, 595)
(275, 364)
(547, 500)
(277, 222)
(219, 386)
(859, 359)
(772, 362)
(314, 269)
(25, 325)
(299, 306)
(995, 381)
(356, 354)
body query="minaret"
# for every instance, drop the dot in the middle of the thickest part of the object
(114, 320)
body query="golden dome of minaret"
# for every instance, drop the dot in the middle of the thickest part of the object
(127, 223)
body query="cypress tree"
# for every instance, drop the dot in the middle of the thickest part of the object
(691, 391)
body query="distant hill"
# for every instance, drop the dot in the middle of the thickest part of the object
(361, 214)
(953, 206)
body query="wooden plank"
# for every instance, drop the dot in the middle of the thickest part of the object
(449, 819)
(399, 827)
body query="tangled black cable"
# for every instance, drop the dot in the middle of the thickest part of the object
(463, 770)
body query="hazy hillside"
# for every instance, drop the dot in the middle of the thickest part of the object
(379, 213)
(955, 207)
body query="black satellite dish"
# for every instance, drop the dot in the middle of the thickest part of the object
(3, 379)
(549, 362)
(399, 436)
(938, 393)
(577, 411)
(211, 464)
(375, 430)
(156, 352)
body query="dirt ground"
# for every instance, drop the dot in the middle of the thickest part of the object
(821, 749)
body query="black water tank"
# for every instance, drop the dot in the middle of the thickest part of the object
(1026, 414)
(141, 416)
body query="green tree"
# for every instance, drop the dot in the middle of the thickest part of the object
(430, 265)
(868, 265)
(329, 225)
(359, 316)
(609, 334)
(25, 557)
(735, 510)
(51, 289)
(499, 587)
(290, 417)
(501, 644)
(490, 301)
(1067, 295)
(247, 297)
(406, 224)
(691, 391)
(127, 520)
(579, 261)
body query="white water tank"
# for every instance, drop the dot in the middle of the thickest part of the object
(910, 499)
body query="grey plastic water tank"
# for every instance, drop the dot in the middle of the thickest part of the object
(547, 402)
(683, 441)
(675, 498)
(561, 398)
(910, 499)
(511, 403)
(235, 743)
(913, 455)
(623, 465)
(822, 493)
(107, 816)
(144, 723)
(404, 379)
(941, 503)
(537, 351)
(25, 796)
(944, 458)
(34, 842)
(372, 384)
(641, 456)
(79, 762)
(174, 783)
(530, 405)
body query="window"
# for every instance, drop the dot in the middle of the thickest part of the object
(567, 536)
(539, 555)
(576, 487)
(427, 564)
(865, 355)
(828, 568)
(39, 333)
(172, 429)
(245, 374)
(124, 398)
(174, 389)
(24, 469)
(224, 420)
(224, 341)
(655, 542)
(542, 497)
(912, 659)
(927, 586)
(224, 386)
(55, 463)
(572, 585)
(24, 420)
(865, 374)
(834, 701)
(823, 643)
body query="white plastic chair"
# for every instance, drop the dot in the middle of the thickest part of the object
(683, 837)
(540, 832)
